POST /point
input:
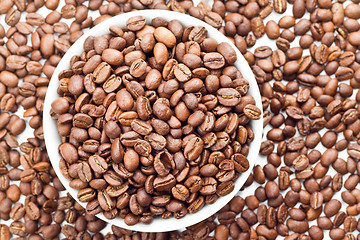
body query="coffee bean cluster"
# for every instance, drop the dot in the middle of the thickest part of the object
(284, 204)
(154, 120)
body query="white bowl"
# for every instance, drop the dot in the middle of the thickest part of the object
(52, 139)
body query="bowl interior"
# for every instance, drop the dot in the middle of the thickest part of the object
(52, 139)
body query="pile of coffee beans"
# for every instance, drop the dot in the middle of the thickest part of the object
(154, 121)
(313, 60)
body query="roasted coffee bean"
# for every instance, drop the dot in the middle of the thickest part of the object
(98, 164)
(214, 60)
(280, 6)
(316, 200)
(252, 112)
(84, 172)
(228, 96)
(180, 192)
(225, 188)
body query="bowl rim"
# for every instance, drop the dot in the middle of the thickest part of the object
(53, 140)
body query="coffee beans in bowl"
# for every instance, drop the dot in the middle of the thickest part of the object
(155, 119)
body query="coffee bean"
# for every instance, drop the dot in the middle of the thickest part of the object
(164, 183)
(180, 192)
(9, 79)
(353, 150)
(69, 152)
(12, 17)
(84, 172)
(258, 27)
(337, 233)
(252, 112)
(272, 190)
(32, 211)
(165, 36)
(316, 200)
(228, 96)
(98, 164)
(301, 163)
(272, 30)
(214, 60)
(294, 112)
(332, 207)
(344, 73)
(280, 6)
(18, 228)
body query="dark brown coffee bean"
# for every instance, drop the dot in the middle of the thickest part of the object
(263, 52)
(228, 52)
(141, 127)
(272, 190)
(344, 73)
(163, 163)
(131, 160)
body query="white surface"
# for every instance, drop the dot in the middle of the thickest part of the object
(52, 138)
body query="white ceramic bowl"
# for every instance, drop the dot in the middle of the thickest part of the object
(52, 139)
